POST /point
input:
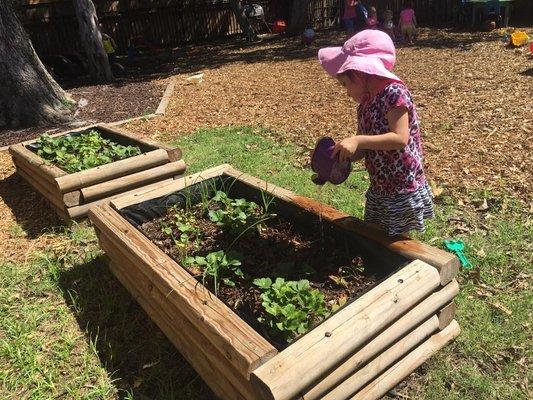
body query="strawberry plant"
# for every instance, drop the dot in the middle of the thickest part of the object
(77, 153)
(181, 228)
(290, 306)
(237, 215)
(217, 266)
(231, 213)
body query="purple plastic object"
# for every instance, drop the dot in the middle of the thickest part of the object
(326, 168)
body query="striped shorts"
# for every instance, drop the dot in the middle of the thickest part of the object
(400, 213)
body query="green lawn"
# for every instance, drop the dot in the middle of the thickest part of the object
(69, 330)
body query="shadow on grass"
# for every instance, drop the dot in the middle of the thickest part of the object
(134, 351)
(29, 207)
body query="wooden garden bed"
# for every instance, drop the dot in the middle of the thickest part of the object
(361, 351)
(72, 194)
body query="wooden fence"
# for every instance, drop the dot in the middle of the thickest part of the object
(52, 25)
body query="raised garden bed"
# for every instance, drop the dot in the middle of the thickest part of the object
(374, 307)
(79, 169)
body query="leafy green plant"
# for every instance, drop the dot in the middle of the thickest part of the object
(77, 153)
(181, 228)
(219, 267)
(231, 213)
(237, 215)
(290, 306)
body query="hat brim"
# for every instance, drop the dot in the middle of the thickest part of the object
(335, 62)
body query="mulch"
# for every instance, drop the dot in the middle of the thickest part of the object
(473, 96)
(127, 97)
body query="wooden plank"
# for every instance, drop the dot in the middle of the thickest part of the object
(112, 170)
(446, 315)
(163, 104)
(43, 187)
(390, 355)
(72, 199)
(400, 370)
(201, 363)
(446, 263)
(244, 348)
(36, 163)
(411, 319)
(303, 362)
(53, 202)
(82, 210)
(191, 340)
(172, 187)
(173, 152)
(124, 183)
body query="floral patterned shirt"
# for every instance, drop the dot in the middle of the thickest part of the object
(392, 171)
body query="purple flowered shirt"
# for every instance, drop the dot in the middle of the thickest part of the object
(392, 171)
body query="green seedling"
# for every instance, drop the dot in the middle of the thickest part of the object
(218, 267)
(290, 306)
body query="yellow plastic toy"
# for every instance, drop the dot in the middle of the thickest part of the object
(519, 38)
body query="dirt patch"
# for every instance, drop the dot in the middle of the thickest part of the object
(274, 248)
(473, 96)
(125, 98)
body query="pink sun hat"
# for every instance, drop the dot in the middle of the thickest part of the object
(370, 51)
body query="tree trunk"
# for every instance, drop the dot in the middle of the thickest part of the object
(299, 17)
(91, 40)
(243, 22)
(28, 94)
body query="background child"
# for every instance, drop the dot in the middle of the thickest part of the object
(372, 20)
(407, 22)
(388, 24)
(361, 15)
(399, 198)
(349, 17)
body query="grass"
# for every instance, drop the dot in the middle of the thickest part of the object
(69, 330)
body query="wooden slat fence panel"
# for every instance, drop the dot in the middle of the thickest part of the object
(53, 28)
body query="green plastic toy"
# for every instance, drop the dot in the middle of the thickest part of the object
(457, 247)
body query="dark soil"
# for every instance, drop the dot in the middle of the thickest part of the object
(278, 249)
(125, 98)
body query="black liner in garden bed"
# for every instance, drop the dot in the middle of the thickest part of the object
(294, 245)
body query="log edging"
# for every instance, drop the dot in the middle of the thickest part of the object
(366, 347)
(73, 194)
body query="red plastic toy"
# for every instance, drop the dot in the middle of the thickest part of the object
(279, 26)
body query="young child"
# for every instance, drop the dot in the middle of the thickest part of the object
(399, 198)
(407, 22)
(388, 24)
(372, 20)
(348, 17)
(109, 45)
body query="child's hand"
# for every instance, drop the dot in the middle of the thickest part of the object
(346, 148)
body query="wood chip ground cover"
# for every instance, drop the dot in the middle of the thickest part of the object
(472, 92)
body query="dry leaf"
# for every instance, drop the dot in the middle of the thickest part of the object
(483, 206)
(501, 307)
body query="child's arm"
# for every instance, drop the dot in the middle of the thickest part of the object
(396, 139)
(414, 20)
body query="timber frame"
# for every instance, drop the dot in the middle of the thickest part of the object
(72, 194)
(360, 352)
